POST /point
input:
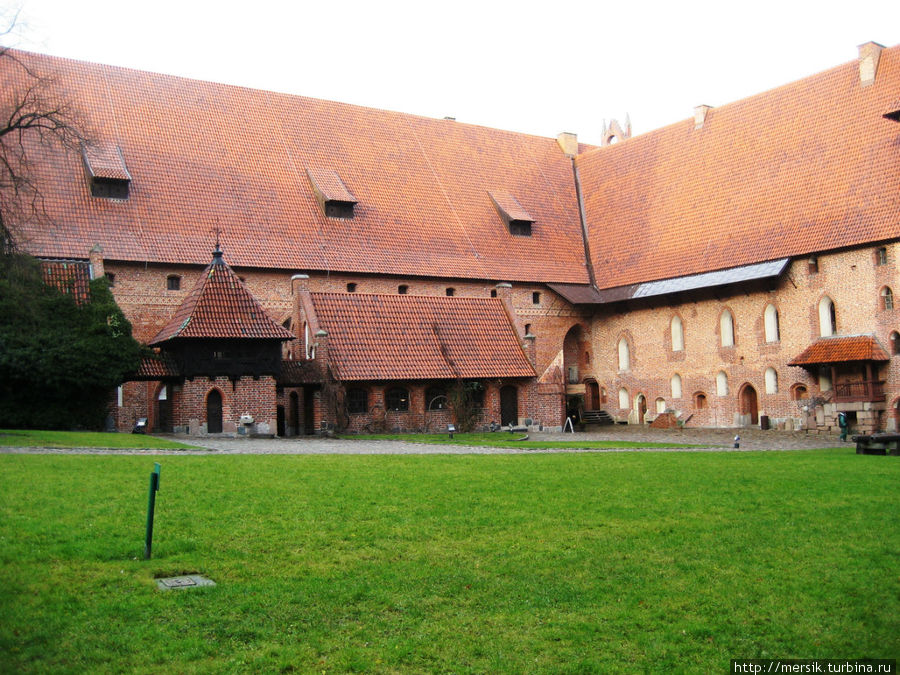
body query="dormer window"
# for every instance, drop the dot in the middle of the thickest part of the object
(514, 216)
(335, 200)
(107, 174)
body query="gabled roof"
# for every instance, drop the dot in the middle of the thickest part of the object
(206, 153)
(434, 337)
(841, 349)
(221, 306)
(808, 167)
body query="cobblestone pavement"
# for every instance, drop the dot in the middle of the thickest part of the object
(708, 440)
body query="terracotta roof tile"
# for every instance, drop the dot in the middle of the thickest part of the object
(294, 373)
(72, 277)
(438, 337)
(330, 185)
(221, 306)
(104, 160)
(840, 349)
(155, 367)
(808, 167)
(510, 207)
(207, 154)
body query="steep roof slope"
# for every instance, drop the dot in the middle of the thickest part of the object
(221, 306)
(438, 337)
(203, 155)
(807, 167)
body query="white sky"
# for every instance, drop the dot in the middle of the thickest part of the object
(538, 68)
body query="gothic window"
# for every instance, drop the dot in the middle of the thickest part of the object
(722, 383)
(771, 378)
(770, 322)
(676, 386)
(623, 398)
(887, 298)
(700, 400)
(726, 328)
(624, 355)
(677, 334)
(827, 317)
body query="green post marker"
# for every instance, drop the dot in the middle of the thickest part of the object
(151, 505)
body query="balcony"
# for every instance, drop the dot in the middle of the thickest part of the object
(868, 391)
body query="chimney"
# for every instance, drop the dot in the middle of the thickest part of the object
(869, 55)
(299, 282)
(700, 113)
(568, 142)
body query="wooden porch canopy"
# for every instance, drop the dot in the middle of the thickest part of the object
(861, 350)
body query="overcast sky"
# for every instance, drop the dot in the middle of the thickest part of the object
(539, 68)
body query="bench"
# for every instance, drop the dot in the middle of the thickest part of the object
(877, 444)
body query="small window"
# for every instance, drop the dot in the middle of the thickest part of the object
(573, 374)
(403, 289)
(624, 355)
(536, 298)
(660, 406)
(827, 317)
(494, 293)
(623, 398)
(813, 265)
(111, 278)
(677, 334)
(397, 399)
(527, 329)
(721, 383)
(451, 292)
(895, 343)
(726, 329)
(771, 378)
(881, 256)
(339, 209)
(799, 392)
(770, 324)
(351, 287)
(357, 401)
(520, 228)
(173, 282)
(676, 386)
(887, 298)
(700, 400)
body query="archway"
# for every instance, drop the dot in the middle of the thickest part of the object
(214, 412)
(749, 403)
(640, 406)
(509, 405)
(592, 395)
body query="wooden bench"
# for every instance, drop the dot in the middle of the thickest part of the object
(877, 444)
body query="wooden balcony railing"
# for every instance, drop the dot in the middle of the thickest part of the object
(859, 391)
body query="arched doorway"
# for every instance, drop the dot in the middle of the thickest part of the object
(749, 403)
(592, 395)
(640, 407)
(214, 412)
(509, 405)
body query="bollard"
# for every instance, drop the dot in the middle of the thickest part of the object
(151, 507)
(737, 442)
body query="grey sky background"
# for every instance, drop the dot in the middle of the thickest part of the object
(538, 68)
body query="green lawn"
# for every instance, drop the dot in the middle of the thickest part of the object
(553, 563)
(84, 439)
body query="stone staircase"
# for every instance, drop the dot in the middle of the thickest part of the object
(597, 417)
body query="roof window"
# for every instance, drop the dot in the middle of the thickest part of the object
(516, 218)
(106, 171)
(333, 196)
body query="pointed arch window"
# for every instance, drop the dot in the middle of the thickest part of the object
(887, 298)
(726, 328)
(677, 334)
(676, 386)
(624, 355)
(623, 398)
(770, 324)
(771, 378)
(721, 383)
(827, 317)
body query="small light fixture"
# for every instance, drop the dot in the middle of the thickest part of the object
(451, 429)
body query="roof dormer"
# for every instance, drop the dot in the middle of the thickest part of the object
(333, 196)
(106, 171)
(516, 218)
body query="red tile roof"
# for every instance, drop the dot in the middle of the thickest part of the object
(840, 349)
(221, 306)
(203, 155)
(105, 160)
(437, 337)
(72, 277)
(155, 367)
(295, 373)
(330, 185)
(810, 166)
(510, 206)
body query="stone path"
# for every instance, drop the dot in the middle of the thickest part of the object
(715, 440)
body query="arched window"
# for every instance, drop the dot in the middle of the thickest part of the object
(357, 401)
(700, 400)
(660, 405)
(676, 386)
(770, 323)
(721, 383)
(887, 298)
(799, 392)
(397, 399)
(771, 381)
(726, 328)
(677, 334)
(827, 317)
(895, 343)
(623, 398)
(624, 355)
(435, 398)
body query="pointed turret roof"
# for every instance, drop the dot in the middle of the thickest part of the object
(221, 306)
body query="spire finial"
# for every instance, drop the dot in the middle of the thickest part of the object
(217, 253)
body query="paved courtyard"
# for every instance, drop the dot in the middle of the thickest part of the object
(707, 440)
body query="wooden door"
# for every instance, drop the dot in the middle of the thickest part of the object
(214, 412)
(509, 405)
(749, 403)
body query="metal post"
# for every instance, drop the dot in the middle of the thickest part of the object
(151, 506)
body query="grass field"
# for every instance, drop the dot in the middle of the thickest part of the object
(507, 440)
(29, 438)
(556, 563)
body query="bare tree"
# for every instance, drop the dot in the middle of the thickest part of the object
(31, 114)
